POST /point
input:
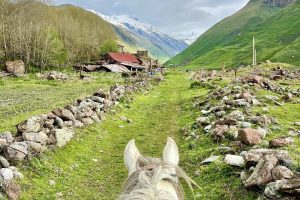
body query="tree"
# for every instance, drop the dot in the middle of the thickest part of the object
(108, 46)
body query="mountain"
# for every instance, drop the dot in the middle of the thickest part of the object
(137, 34)
(274, 23)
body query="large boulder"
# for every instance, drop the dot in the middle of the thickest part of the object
(63, 136)
(15, 67)
(262, 173)
(249, 136)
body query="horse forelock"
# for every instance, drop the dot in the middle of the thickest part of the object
(143, 183)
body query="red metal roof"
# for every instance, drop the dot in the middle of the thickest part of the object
(123, 57)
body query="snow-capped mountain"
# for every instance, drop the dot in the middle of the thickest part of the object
(167, 44)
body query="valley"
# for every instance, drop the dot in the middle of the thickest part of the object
(215, 119)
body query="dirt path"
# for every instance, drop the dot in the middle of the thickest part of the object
(91, 166)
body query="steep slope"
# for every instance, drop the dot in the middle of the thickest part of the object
(274, 23)
(136, 34)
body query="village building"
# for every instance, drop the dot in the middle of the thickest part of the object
(124, 59)
(122, 63)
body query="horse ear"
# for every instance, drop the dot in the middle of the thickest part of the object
(171, 154)
(131, 156)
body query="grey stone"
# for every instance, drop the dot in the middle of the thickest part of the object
(237, 115)
(277, 189)
(63, 136)
(64, 114)
(262, 132)
(207, 128)
(39, 137)
(36, 147)
(16, 173)
(59, 122)
(262, 173)
(97, 99)
(16, 151)
(245, 124)
(78, 124)
(203, 121)
(7, 174)
(210, 160)
(32, 125)
(282, 172)
(254, 155)
(87, 121)
(7, 136)
(4, 163)
(234, 160)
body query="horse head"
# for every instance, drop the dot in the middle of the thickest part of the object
(153, 178)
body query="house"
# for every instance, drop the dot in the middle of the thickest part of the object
(125, 59)
(114, 58)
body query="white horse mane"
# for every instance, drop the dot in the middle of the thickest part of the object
(142, 184)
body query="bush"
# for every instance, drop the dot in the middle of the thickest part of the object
(195, 84)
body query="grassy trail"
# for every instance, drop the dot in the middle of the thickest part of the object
(91, 166)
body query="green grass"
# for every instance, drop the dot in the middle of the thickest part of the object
(24, 97)
(161, 113)
(230, 41)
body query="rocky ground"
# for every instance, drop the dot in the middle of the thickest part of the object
(240, 115)
(240, 138)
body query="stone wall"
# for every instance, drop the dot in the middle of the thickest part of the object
(55, 129)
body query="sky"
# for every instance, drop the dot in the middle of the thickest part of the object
(185, 18)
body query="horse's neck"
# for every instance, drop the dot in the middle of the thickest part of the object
(168, 187)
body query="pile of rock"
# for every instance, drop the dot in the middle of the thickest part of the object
(53, 75)
(204, 75)
(280, 73)
(56, 129)
(271, 169)
(226, 114)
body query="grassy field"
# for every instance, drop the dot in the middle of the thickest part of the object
(24, 97)
(91, 166)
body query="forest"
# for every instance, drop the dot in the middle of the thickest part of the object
(44, 35)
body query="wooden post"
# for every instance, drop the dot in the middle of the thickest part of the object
(254, 53)
(223, 69)
(235, 72)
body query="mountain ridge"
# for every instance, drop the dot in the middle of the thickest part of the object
(138, 34)
(230, 41)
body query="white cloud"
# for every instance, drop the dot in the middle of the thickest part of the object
(184, 17)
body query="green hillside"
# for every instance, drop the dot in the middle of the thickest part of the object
(43, 35)
(276, 29)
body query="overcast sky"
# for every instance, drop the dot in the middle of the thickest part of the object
(180, 17)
